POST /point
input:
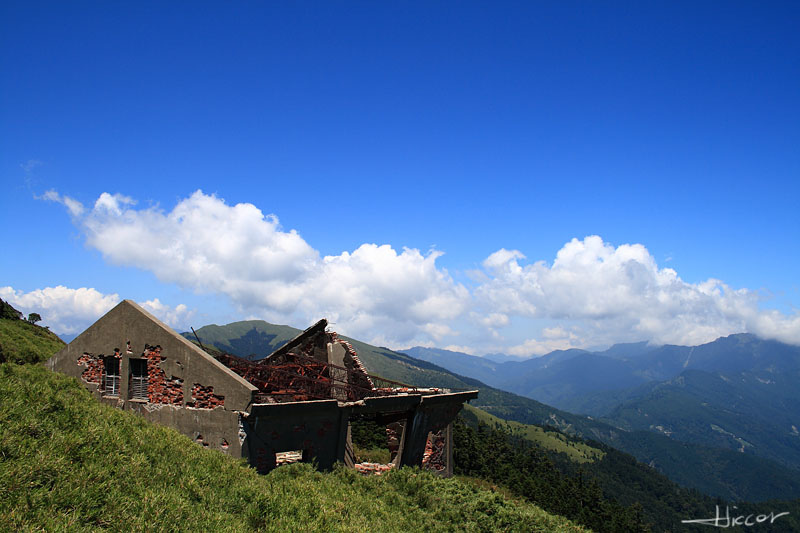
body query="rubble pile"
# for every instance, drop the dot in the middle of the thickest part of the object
(285, 458)
(434, 456)
(375, 469)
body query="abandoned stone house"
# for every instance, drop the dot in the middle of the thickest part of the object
(299, 399)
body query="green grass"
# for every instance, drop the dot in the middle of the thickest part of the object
(69, 463)
(23, 342)
(372, 455)
(580, 452)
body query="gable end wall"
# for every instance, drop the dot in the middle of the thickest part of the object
(188, 389)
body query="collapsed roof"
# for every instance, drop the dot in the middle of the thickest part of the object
(316, 365)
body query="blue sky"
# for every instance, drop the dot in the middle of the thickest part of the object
(463, 174)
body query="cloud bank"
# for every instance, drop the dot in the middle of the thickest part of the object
(66, 310)
(206, 245)
(593, 293)
(620, 294)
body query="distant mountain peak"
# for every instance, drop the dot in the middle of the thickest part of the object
(624, 350)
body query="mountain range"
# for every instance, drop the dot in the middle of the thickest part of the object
(738, 392)
(710, 459)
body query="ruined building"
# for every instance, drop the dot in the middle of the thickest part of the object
(299, 399)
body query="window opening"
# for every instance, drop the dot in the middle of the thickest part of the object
(376, 442)
(111, 376)
(138, 379)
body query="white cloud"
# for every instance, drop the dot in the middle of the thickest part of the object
(533, 347)
(460, 348)
(63, 309)
(502, 258)
(112, 204)
(620, 294)
(557, 332)
(74, 207)
(66, 310)
(493, 320)
(438, 331)
(238, 251)
(553, 338)
(177, 317)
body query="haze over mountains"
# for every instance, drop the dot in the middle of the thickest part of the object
(693, 434)
(739, 392)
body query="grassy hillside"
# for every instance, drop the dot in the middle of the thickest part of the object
(23, 342)
(576, 450)
(70, 463)
(519, 457)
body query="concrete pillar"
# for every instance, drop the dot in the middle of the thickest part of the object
(415, 437)
(448, 451)
(336, 353)
(432, 414)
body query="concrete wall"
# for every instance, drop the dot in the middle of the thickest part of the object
(318, 428)
(188, 389)
(321, 428)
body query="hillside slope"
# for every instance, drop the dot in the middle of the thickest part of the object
(745, 413)
(617, 474)
(547, 439)
(23, 342)
(69, 463)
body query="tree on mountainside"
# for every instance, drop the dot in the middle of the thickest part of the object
(33, 318)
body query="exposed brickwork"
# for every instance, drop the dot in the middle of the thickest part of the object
(94, 368)
(159, 388)
(204, 398)
(353, 362)
(434, 458)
